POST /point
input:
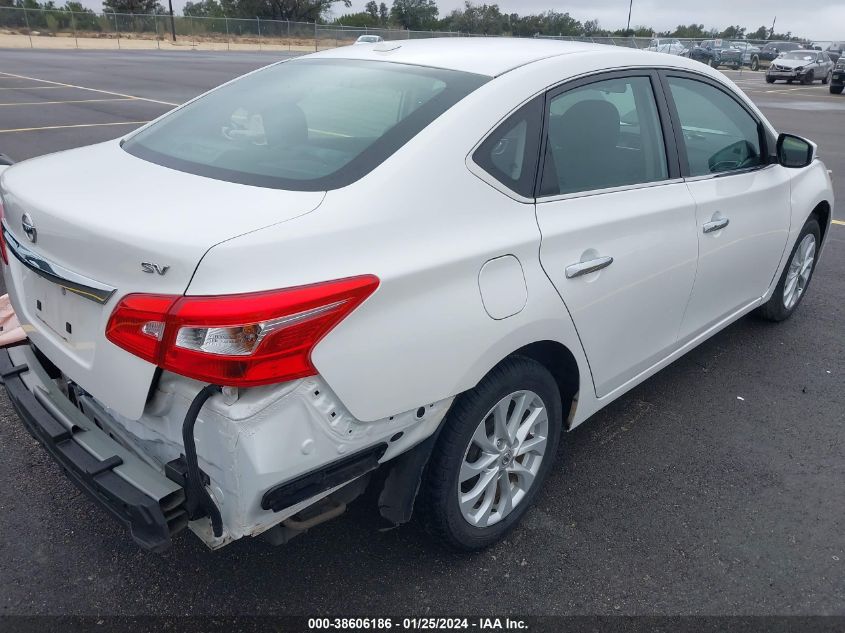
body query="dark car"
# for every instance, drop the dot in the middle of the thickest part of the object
(837, 79)
(770, 52)
(835, 50)
(717, 53)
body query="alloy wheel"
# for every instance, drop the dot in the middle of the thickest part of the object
(800, 269)
(503, 458)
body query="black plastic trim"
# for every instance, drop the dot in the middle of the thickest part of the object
(137, 511)
(310, 484)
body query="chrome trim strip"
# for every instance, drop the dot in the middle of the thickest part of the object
(73, 282)
(599, 192)
(732, 172)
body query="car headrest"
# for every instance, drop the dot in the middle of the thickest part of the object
(592, 124)
(285, 125)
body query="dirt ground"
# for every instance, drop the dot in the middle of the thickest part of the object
(67, 41)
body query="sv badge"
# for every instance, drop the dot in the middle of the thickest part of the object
(151, 268)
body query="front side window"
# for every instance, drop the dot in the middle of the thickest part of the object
(602, 135)
(719, 134)
(306, 125)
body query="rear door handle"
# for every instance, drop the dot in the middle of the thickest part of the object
(585, 268)
(715, 225)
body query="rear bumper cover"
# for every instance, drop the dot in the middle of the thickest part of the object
(148, 504)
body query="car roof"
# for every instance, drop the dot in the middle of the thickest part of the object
(491, 56)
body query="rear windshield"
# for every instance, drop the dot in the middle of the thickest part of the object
(305, 125)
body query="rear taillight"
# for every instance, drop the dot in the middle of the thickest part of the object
(3, 253)
(236, 340)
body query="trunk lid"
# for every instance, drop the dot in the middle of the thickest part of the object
(99, 214)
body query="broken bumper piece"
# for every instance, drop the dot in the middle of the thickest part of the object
(148, 504)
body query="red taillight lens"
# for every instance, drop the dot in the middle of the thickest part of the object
(137, 324)
(236, 340)
(3, 253)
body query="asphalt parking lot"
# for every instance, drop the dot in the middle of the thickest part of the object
(714, 488)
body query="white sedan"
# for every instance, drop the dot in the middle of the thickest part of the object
(430, 259)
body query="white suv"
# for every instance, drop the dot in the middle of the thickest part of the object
(431, 258)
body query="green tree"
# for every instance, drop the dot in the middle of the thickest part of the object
(475, 18)
(733, 33)
(691, 31)
(760, 34)
(372, 9)
(361, 19)
(133, 6)
(414, 14)
(204, 9)
(383, 13)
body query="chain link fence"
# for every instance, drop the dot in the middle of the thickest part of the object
(57, 28)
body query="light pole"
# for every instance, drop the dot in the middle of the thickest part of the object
(630, 6)
(172, 21)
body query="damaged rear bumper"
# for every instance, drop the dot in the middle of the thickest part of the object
(267, 456)
(142, 499)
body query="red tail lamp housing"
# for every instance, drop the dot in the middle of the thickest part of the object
(243, 340)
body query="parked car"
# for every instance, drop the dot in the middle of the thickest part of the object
(834, 50)
(369, 39)
(246, 373)
(837, 79)
(770, 52)
(747, 51)
(717, 53)
(672, 46)
(805, 66)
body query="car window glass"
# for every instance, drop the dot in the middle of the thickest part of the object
(719, 134)
(605, 134)
(510, 153)
(307, 125)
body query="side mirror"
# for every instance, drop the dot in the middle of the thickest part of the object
(795, 152)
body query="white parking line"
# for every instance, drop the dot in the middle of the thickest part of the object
(107, 92)
(32, 88)
(60, 127)
(31, 103)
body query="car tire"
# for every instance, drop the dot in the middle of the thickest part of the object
(789, 81)
(794, 280)
(836, 90)
(712, 63)
(770, 80)
(469, 437)
(755, 63)
(809, 78)
(827, 77)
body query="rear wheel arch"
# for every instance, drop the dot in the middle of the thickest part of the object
(562, 365)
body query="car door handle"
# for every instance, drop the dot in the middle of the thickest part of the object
(585, 268)
(715, 225)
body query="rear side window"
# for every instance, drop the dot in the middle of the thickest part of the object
(510, 153)
(719, 135)
(306, 125)
(602, 135)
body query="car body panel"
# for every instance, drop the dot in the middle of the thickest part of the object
(757, 206)
(628, 314)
